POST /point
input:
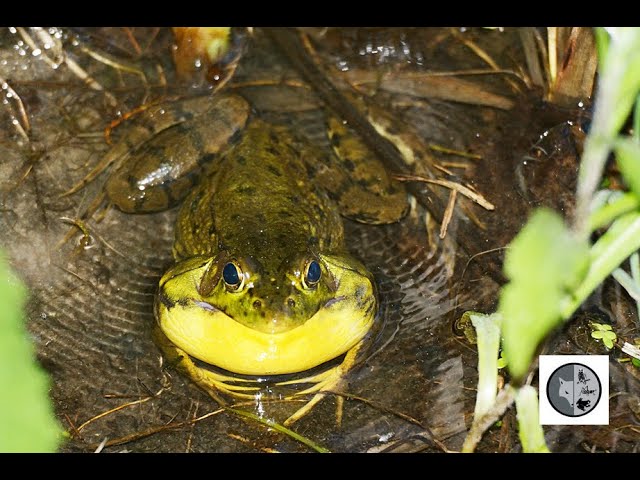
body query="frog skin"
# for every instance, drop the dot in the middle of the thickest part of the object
(263, 285)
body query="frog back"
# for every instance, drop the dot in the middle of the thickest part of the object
(260, 199)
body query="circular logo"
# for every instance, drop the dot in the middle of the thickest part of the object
(574, 389)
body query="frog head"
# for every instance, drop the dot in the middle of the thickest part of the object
(251, 316)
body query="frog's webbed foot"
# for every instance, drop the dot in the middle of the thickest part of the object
(153, 119)
(153, 130)
(327, 381)
(209, 381)
(214, 382)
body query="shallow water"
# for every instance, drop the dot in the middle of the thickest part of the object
(90, 310)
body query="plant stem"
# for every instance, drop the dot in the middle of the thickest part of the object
(634, 262)
(488, 335)
(608, 213)
(529, 428)
(503, 401)
(617, 243)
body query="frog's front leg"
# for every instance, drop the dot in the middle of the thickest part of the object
(326, 382)
(213, 383)
(156, 174)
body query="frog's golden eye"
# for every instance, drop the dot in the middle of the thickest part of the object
(232, 276)
(312, 274)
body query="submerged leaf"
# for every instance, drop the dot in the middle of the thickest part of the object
(544, 263)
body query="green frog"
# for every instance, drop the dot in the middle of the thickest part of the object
(263, 290)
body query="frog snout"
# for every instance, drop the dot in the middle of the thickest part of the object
(285, 306)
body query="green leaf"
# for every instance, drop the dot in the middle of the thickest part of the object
(604, 332)
(502, 362)
(602, 44)
(634, 263)
(608, 342)
(619, 78)
(607, 205)
(544, 263)
(612, 248)
(628, 160)
(27, 422)
(636, 362)
(618, 87)
(636, 120)
(601, 326)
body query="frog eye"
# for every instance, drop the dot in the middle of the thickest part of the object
(232, 276)
(312, 274)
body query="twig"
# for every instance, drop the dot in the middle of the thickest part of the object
(403, 416)
(631, 350)
(23, 126)
(504, 400)
(62, 57)
(483, 55)
(467, 192)
(448, 213)
(246, 441)
(132, 40)
(450, 151)
(119, 407)
(552, 40)
(153, 430)
(280, 428)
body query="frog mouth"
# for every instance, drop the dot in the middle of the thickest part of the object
(276, 324)
(279, 385)
(211, 308)
(208, 334)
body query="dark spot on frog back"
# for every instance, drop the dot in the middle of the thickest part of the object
(284, 213)
(335, 138)
(245, 190)
(206, 159)
(360, 291)
(349, 165)
(274, 170)
(236, 137)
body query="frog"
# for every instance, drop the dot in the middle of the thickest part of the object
(263, 291)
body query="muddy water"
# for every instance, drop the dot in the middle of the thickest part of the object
(90, 309)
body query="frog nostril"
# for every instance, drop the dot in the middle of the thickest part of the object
(257, 304)
(291, 302)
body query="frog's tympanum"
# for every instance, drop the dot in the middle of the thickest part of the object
(263, 286)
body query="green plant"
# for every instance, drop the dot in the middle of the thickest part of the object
(604, 332)
(552, 267)
(27, 422)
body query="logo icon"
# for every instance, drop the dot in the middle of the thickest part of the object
(574, 389)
